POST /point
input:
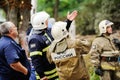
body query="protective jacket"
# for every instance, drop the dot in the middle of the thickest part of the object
(11, 52)
(38, 44)
(104, 53)
(67, 55)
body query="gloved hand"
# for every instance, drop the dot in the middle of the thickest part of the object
(99, 71)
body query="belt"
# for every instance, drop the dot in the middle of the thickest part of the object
(109, 59)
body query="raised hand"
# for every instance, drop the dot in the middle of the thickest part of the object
(72, 16)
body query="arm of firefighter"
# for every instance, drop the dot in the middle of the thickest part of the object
(84, 46)
(95, 53)
(49, 56)
(68, 24)
(19, 67)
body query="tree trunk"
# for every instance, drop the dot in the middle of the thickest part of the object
(56, 9)
(12, 11)
(17, 11)
(12, 15)
(24, 11)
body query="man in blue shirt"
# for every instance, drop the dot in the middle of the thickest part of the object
(14, 64)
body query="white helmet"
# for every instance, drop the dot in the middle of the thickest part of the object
(103, 25)
(59, 30)
(38, 20)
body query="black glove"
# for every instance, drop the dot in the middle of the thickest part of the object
(116, 43)
(99, 71)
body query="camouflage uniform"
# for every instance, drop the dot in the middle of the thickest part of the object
(67, 55)
(106, 55)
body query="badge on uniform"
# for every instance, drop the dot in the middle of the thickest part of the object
(47, 42)
(64, 55)
(94, 46)
(33, 45)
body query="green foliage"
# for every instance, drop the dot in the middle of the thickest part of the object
(87, 16)
(64, 6)
(91, 12)
(93, 76)
(46, 5)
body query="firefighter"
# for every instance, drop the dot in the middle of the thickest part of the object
(66, 53)
(104, 54)
(39, 40)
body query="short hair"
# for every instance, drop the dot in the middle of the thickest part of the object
(5, 27)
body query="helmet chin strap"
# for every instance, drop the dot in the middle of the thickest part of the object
(108, 34)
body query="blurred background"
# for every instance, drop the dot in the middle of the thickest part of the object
(90, 13)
